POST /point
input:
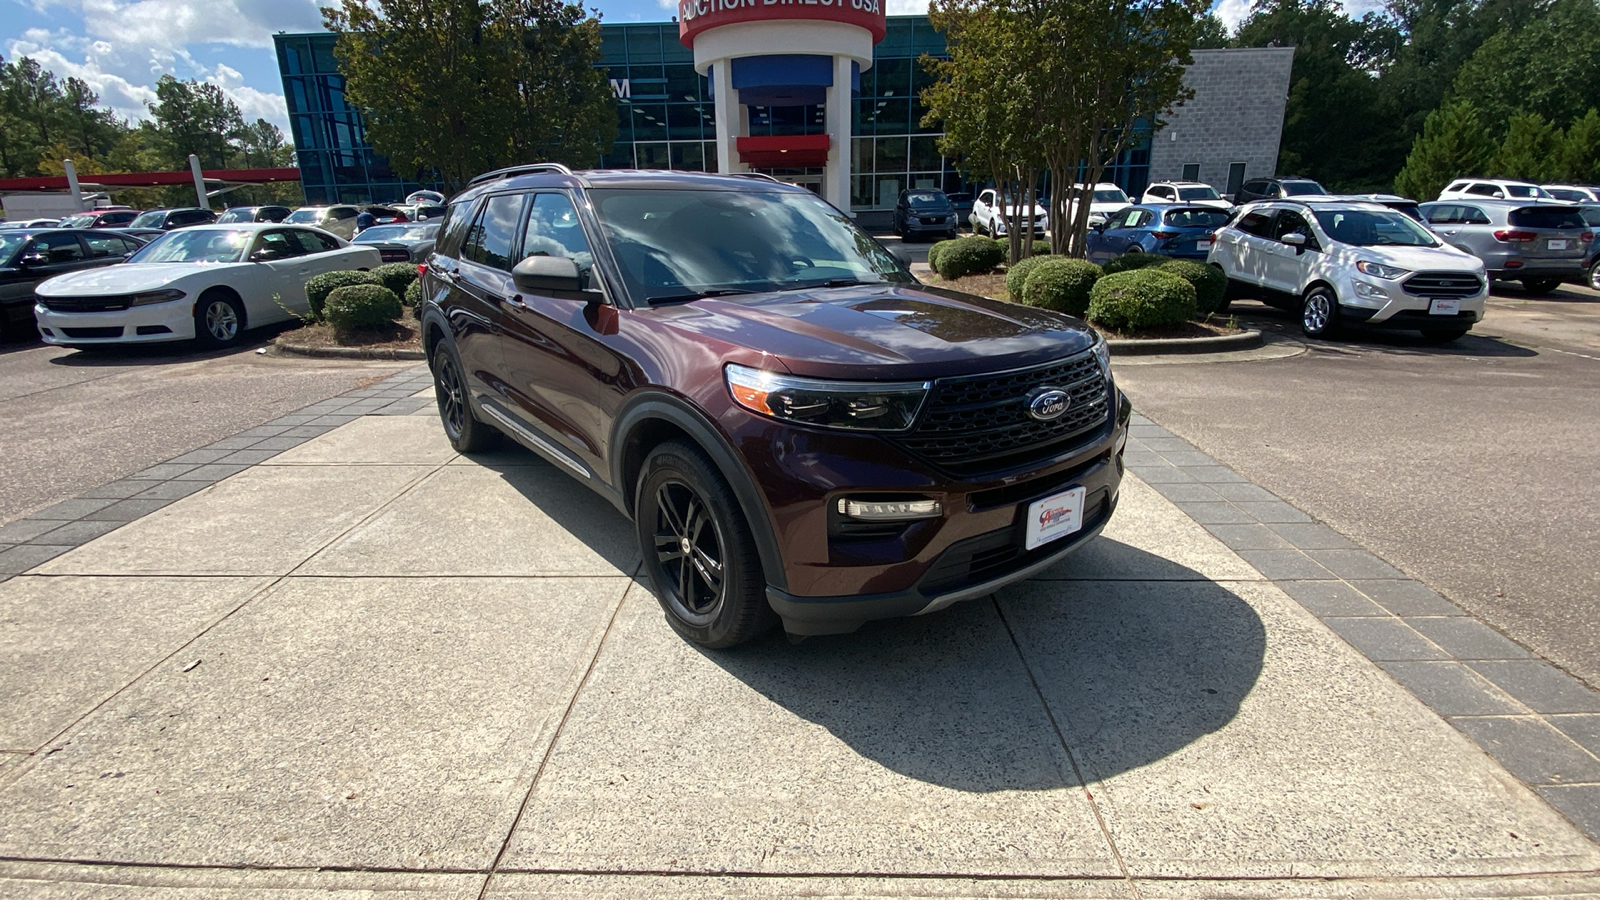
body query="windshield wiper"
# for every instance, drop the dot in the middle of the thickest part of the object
(697, 295)
(831, 283)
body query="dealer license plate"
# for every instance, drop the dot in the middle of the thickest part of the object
(1054, 517)
(1556, 245)
(1202, 245)
(1444, 306)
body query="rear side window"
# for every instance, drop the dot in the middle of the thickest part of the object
(1484, 190)
(1546, 217)
(1257, 223)
(1471, 215)
(1442, 215)
(489, 241)
(454, 227)
(315, 242)
(1591, 214)
(58, 248)
(102, 245)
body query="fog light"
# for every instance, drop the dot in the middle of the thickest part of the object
(888, 510)
(1370, 291)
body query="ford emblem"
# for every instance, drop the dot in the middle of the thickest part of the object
(1049, 404)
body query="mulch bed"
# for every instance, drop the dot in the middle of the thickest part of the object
(401, 335)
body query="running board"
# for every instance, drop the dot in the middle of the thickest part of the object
(521, 433)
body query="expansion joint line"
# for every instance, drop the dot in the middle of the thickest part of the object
(1061, 738)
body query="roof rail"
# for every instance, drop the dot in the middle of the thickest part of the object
(759, 175)
(512, 171)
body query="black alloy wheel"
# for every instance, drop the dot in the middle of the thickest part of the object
(461, 427)
(697, 549)
(1539, 287)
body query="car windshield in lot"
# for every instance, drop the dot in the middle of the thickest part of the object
(1110, 197)
(195, 246)
(1197, 193)
(309, 216)
(1546, 217)
(1302, 188)
(148, 220)
(242, 214)
(382, 233)
(1198, 217)
(77, 222)
(10, 241)
(684, 244)
(927, 201)
(1370, 228)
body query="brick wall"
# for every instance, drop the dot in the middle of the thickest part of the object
(1236, 116)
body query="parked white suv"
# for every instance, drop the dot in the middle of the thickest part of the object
(1573, 193)
(1481, 188)
(990, 217)
(1343, 263)
(1189, 193)
(1104, 199)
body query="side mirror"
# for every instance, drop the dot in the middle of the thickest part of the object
(1099, 226)
(1296, 240)
(33, 259)
(903, 254)
(542, 274)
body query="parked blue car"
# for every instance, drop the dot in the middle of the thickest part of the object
(1175, 230)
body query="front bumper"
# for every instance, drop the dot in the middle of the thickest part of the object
(1386, 304)
(946, 227)
(170, 321)
(834, 584)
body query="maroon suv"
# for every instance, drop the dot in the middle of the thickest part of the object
(799, 429)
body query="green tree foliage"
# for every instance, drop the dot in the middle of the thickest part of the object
(464, 86)
(1532, 150)
(194, 117)
(1580, 152)
(1453, 143)
(1549, 65)
(1211, 33)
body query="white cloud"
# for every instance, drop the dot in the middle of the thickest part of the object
(1232, 12)
(173, 24)
(908, 7)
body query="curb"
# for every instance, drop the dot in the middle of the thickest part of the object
(349, 352)
(1248, 340)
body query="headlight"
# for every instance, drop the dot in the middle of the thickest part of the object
(150, 297)
(860, 405)
(1378, 270)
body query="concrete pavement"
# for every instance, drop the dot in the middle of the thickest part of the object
(361, 664)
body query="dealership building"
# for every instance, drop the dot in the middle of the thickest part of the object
(821, 93)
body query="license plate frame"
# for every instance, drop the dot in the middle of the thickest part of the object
(1557, 243)
(1202, 245)
(1054, 517)
(1444, 306)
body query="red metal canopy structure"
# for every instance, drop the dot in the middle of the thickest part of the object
(150, 179)
(783, 151)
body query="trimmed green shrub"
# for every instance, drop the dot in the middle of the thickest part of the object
(1041, 248)
(320, 286)
(359, 305)
(413, 296)
(937, 250)
(1061, 284)
(1017, 276)
(1128, 262)
(1210, 285)
(396, 276)
(970, 256)
(1140, 300)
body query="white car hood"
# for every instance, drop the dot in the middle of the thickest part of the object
(1418, 259)
(127, 278)
(1013, 208)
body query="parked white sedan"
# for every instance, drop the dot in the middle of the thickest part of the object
(209, 283)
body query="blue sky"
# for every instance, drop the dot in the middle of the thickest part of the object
(121, 47)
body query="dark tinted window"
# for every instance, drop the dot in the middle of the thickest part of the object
(237, 214)
(1471, 215)
(103, 245)
(1301, 188)
(1484, 190)
(489, 242)
(454, 227)
(117, 218)
(272, 245)
(1255, 187)
(151, 219)
(1196, 218)
(1258, 223)
(1547, 217)
(1443, 214)
(1591, 214)
(191, 217)
(1290, 222)
(58, 248)
(314, 241)
(927, 200)
(553, 230)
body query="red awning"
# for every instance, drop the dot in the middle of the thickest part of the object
(787, 151)
(152, 179)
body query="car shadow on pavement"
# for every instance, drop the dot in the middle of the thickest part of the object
(1131, 671)
(1281, 323)
(573, 507)
(163, 353)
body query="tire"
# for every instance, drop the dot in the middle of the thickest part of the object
(218, 320)
(1444, 335)
(1539, 287)
(1319, 312)
(461, 425)
(697, 549)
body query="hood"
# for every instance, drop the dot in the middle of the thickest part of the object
(1417, 259)
(1012, 209)
(122, 278)
(871, 331)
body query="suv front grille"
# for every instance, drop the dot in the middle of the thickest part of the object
(84, 304)
(1442, 284)
(976, 422)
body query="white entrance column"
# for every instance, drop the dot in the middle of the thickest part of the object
(732, 119)
(840, 106)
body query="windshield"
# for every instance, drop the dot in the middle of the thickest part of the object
(311, 215)
(1366, 228)
(151, 219)
(191, 245)
(77, 221)
(239, 214)
(1522, 191)
(1301, 188)
(9, 242)
(1567, 194)
(682, 245)
(927, 201)
(1205, 217)
(1198, 193)
(379, 233)
(1110, 196)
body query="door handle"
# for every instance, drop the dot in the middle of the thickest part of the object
(453, 275)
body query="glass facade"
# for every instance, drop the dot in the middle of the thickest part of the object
(665, 118)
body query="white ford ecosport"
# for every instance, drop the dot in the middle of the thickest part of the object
(1341, 263)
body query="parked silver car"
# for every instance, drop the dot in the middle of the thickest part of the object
(1539, 244)
(401, 242)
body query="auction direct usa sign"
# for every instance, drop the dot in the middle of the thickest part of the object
(695, 16)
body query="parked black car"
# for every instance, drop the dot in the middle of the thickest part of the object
(29, 256)
(168, 219)
(1277, 188)
(253, 214)
(799, 430)
(924, 211)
